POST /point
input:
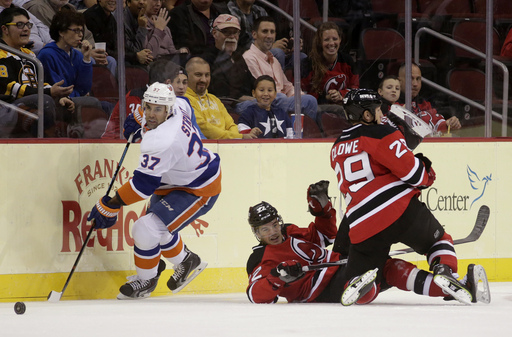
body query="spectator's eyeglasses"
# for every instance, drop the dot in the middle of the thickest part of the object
(229, 31)
(77, 30)
(21, 25)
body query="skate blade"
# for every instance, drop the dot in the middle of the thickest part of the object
(192, 276)
(483, 293)
(352, 293)
(463, 296)
(123, 297)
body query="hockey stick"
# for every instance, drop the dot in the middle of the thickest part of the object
(55, 296)
(480, 223)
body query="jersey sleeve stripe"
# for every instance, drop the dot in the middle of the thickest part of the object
(415, 176)
(129, 194)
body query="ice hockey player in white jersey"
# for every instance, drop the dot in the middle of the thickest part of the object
(183, 180)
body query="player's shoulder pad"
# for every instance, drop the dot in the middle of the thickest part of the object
(378, 131)
(255, 258)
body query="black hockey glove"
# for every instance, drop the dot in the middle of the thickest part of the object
(426, 162)
(428, 168)
(319, 203)
(287, 272)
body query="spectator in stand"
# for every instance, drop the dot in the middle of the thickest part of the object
(62, 60)
(389, 92)
(81, 5)
(212, 117)
(506, 50)
(18, 83)
(421, 107)
(247, 12)
(272, 120)
(170, 4)
(39, 34)
(260, 61)
(192, 22)
(45, 10)
(330, 73)
(102, 24)
(135, 32)
(159, 38)
(162, 71)
(230, 76)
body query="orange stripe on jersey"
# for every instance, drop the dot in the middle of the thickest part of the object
(128, 194)
(187, 214)
(210, 190)
(174, 251)
(144, 263)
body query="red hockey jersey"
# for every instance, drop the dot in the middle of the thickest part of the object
(377, 174)
(305, 245)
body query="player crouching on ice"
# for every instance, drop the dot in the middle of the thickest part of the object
(381, 180)
(183, 179)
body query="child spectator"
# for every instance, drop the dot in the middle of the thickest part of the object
(272, 120)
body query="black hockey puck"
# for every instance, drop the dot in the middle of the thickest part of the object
(19, 308)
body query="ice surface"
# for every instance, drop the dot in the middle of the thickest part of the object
(395, 313)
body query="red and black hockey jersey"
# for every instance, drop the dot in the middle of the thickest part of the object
(305, 245)
(377, 174)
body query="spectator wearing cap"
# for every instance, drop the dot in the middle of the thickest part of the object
(192, 22)
(230, 77)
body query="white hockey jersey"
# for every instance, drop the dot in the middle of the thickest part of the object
(173, 157)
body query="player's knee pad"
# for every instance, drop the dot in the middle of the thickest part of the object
(370, 295)
(147, 231)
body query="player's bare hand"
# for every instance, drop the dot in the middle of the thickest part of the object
(161, 19)
(453, 123)
(68, 103)
(57, 90)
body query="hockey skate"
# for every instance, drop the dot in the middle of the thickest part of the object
(186, 271)
(444, 279)
(358, 287)
(136, 288)
(476, 281)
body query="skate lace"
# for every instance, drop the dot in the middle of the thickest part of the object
(179, 272)
(137, 284)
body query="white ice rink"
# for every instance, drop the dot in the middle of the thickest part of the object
(394, 313)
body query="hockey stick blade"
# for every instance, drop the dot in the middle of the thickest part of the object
(55, 296)
(476, 232)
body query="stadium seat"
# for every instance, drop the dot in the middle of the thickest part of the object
(310, 129)
(333, 124)
(104, 84)
(136, 77)
(379, 47)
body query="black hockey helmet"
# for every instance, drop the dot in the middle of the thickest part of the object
(262, 214)
(357, 101)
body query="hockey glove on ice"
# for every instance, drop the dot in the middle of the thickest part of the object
(428, 168)
(104, 216)
(285, 272)
(319, 203)
(131, 125)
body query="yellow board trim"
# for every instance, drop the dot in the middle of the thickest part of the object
(105, 285)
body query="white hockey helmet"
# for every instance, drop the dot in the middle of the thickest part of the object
(162, 94)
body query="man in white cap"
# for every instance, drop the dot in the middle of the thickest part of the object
(227, 75)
